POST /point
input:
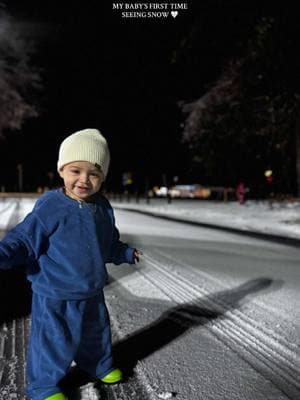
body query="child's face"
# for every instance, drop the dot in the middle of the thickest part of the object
(82, 179)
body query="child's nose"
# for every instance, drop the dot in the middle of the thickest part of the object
(84, 177)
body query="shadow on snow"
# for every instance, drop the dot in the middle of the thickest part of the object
(172, 324)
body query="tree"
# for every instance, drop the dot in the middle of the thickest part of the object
(19, 80)
(246, 121)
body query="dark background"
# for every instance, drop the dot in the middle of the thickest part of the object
(125, 77)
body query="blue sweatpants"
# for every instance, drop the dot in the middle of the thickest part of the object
(63, 331)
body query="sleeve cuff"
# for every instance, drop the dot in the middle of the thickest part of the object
(129, 255)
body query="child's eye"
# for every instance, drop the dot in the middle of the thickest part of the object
(74, 171)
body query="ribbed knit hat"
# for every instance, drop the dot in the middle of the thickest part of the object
(86, 145)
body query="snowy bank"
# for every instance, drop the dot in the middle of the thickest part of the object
(280, 219)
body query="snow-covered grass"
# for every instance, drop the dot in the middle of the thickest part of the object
(276, 218)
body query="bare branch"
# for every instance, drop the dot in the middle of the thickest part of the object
(18, 79)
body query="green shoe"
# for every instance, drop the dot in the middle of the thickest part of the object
(115, 376)
(56, 396)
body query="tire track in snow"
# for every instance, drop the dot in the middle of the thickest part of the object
(22, 329)
(268, 352)
(13, 344)
(9, 362)
(210, 284)
(13, 336)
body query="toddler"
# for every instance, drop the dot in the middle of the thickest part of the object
(65, 242)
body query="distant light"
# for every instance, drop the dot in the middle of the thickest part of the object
(162, 191)
(268, 172)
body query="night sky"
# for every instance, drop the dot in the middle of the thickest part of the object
(124, 76)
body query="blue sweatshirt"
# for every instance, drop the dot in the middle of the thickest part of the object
(66, 244)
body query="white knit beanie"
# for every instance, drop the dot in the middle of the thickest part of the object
(86, 145)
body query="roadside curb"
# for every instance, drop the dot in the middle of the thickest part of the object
(255, 234)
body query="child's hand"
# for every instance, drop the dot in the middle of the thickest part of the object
(136, 255)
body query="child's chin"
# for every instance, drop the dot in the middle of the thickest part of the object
(85, 196)
(81, 196)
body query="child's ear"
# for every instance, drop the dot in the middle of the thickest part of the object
(61, 173)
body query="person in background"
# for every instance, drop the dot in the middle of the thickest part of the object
(241, 191)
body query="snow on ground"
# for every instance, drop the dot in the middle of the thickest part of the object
(146, 304)
(282, 219)
(277, 218)
(260, 358)
(13, 210)
(7, 209)
(207, 320)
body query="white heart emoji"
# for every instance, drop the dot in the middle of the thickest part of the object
(174, 14)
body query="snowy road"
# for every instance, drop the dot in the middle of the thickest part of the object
(205, 315)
